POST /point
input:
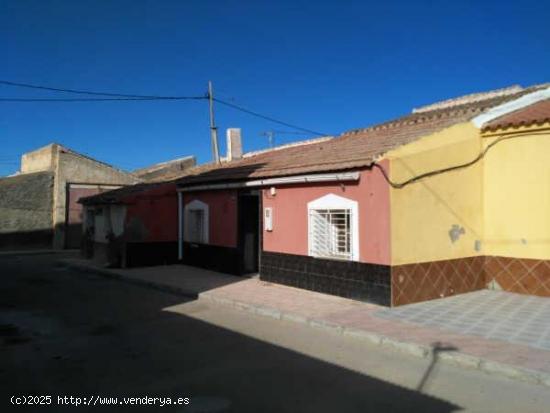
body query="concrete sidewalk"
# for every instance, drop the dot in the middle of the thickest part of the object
(178, 279)
(342, 316)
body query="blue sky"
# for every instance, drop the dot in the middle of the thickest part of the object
(326, 66)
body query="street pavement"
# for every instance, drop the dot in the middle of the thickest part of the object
(496, 332)
(70, 333)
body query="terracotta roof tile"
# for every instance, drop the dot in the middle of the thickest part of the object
(354, 149)
(537, 113)
(118, 195)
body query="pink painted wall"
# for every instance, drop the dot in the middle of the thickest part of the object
(290, 216)
(222, 210)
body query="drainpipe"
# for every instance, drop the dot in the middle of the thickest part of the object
(180, 226)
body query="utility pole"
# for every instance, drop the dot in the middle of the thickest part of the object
(213, 128)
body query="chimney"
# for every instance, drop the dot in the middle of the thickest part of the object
(234, 144)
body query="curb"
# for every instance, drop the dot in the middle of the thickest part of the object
(462, 360)
(35, 252)
(135, 281)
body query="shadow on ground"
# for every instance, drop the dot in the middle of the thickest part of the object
(67, 333)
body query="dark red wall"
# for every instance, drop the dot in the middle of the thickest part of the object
(222, 210)
(156, 211)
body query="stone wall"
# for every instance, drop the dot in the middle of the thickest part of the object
(72, 167)
(26, 204)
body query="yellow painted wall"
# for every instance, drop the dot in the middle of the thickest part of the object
(423, 213)
(517, 195)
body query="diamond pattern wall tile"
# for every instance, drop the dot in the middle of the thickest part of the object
(519, 275)
(417, 282)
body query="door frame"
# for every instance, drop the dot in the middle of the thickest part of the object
(257, 195)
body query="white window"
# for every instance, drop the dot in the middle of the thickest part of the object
(196, 225)
(333, 228)
(330, 233)
(196, 222)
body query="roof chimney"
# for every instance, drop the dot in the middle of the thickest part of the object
(234, 144)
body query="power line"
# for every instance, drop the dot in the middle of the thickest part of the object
(89, 92)
(133, 97)
(269, 118)
(158, 99)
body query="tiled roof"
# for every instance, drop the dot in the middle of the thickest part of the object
(165, 170)
(537, 113)
(118, 195)
(127, 193)
(354, 149)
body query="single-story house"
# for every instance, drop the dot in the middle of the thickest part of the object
(137, 225)
(449, 199)
(132, 226)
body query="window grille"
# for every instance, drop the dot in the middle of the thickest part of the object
(330, 233)
(196, 225)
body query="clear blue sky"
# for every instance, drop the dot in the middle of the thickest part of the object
(328, 66)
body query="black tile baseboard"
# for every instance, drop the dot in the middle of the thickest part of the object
(212, 257)
(350, 279)
(140, 254)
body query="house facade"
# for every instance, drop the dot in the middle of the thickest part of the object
(132, 226)
(39, 205)
(140, 224)
(447, 200)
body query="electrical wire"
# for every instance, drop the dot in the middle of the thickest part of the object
(480, 156)
(89, 92)
(132, 97)
(158, 99)
(269, 118)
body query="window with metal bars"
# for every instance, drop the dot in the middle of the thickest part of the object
(330, 233)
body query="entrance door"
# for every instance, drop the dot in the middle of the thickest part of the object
(74, 211)
(249, 232)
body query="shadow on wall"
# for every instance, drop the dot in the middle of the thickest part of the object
(42, 239)
(123, 336)
(225, 174)
(26, 240)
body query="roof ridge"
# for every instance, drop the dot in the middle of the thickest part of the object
(252, 154)
(469, 98)
(446, 112)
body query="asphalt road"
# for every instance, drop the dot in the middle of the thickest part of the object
(65, 333)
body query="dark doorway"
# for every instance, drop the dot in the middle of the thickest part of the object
(249, 231)
(74, 213)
